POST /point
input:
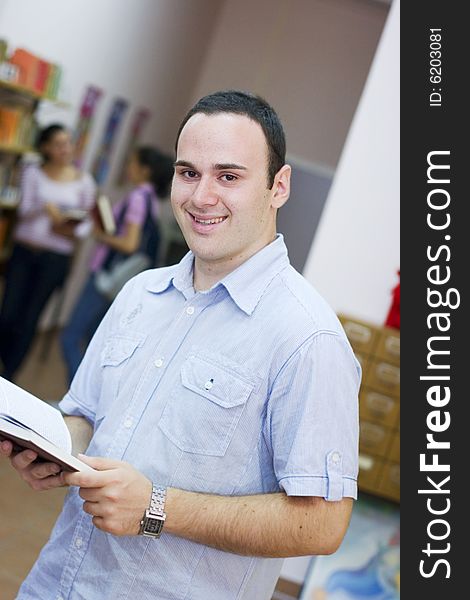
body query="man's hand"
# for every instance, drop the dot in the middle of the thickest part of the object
(116, 495)
(38, 475)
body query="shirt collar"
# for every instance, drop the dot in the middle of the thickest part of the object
(179, 275)
(245, 285)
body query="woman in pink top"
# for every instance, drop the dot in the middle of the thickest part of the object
(150, 172)
(54, 196)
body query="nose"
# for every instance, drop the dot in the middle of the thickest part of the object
(204, 193)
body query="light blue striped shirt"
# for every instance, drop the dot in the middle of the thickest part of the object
(248, 388)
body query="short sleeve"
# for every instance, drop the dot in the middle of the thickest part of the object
(137, 207)
(313, 420)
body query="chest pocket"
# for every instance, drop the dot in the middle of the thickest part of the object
(114, 358)
(203, 411)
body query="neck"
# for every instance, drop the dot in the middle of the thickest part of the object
(208, 273)
(138, 182)
(53, 167)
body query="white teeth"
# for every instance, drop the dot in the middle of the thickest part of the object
(210, 221)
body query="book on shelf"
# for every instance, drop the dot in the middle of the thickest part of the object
(17, 126)
(54, 81)
(3, 49)
(29, 422)
(27, 62)
(103, 215)
(36, 74)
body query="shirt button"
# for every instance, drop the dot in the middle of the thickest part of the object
(208, 385)
(335, 457)
(78, 542)
(158, 363)
(190, 310)
(128, 423)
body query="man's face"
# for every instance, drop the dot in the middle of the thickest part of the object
(220, 193)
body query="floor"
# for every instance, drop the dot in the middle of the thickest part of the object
(26, 517)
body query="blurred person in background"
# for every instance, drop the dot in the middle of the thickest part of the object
(150, 172)
(55, 195)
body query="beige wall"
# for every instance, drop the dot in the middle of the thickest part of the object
(309, 58)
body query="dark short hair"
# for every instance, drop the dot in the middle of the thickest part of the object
(161, 168)
(254, 107)
(46, 135)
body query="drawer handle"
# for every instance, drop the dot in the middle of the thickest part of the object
(394, 474)
(357, 332)
(380, 404)
(388, 373)
(365, 462)
(392, 345)
(372, 434)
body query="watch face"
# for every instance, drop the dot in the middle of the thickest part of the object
(153, 525)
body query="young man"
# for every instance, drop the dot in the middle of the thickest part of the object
(221, 391)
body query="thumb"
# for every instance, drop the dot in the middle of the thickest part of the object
(99, 463)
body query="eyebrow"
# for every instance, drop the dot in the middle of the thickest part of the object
(217, 166)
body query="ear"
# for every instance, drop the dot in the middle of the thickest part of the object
(281, 187)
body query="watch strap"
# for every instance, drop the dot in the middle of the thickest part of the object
(157, 500)
(154, 517)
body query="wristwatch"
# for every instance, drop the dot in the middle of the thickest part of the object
(154, 516)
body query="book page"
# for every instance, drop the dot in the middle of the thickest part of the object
(34, 413)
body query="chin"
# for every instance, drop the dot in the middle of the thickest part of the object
(203, 252)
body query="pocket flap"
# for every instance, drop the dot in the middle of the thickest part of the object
(118, 348)
(214, 382)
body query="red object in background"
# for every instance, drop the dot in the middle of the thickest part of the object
(393, 317)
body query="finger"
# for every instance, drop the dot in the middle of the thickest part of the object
(43, 470)
(6, 448)
(87, 479)
(98, 522)
(48, 483)
(23, 459)
(92, 508)
(90, 494)
(99, 463)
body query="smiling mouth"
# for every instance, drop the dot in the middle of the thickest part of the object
(213, 221)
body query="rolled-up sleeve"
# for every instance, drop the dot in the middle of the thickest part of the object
(313, 422)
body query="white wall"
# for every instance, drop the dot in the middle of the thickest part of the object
(355, 254)
(147, 51)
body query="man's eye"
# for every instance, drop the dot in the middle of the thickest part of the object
(229, 177)
(189, 174)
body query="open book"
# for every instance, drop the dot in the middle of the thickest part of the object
(29, 422)
(74, 216)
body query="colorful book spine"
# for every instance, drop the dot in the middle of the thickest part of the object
(37, 74)
(17, 127)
